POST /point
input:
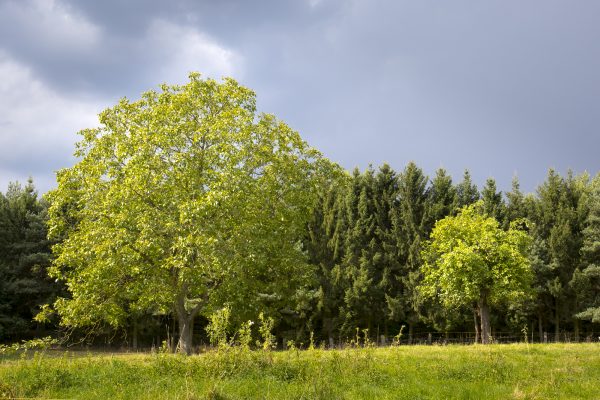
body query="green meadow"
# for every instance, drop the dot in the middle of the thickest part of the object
(516, 371)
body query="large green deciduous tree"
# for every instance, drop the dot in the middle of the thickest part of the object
(185, 198)
(470, 259)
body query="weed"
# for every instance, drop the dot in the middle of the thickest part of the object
(245, 335)
(218, 327)
(366, 339)
(265, 329)
(398, 337)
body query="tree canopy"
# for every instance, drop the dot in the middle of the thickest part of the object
(363, 242)
(184, 198)
(188, 201)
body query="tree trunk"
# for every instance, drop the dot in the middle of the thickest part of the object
(556, 323)
(134, 334)
(171, 339)
(540, 326)
(477, 333)
(484, 314)
(185, 321)
(576, 322)
(385, 328)
(410, 333)
(328, 323)
(185, 334)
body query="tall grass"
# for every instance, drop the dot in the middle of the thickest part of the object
(517, 371)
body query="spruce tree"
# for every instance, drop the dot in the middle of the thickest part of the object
(557, 243)
(354, 242)
(586, 281)
(370, 268)
(493, 203)
(441, 198)
(356, 271)
(410, 228)
(516, 206)
(387, 261)
(466, 191)
(24, 258)
(324, 251)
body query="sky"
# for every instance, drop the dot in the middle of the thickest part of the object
(502, 88)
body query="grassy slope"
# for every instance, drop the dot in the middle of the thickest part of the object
(457, 372)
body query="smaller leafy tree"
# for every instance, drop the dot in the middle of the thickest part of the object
(469, 259)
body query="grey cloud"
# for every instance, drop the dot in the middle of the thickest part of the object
(497, 87)
(119, 57)
(494, 88)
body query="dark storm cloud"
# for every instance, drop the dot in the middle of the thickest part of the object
(500, 88)
(497, 87)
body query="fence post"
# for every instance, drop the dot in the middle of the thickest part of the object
(331, 344)
(429, 338)
(382, 340)
(545, 337)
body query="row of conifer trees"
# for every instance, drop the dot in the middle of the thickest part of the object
(366, 236)
(364, 242)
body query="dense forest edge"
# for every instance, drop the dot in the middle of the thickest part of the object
(233, 230)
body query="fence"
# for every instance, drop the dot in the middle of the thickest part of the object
(466, 338)
(417, 338)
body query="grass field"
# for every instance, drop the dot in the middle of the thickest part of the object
(518, 371)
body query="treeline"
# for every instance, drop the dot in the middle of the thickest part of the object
(364, 243)
(366, 236)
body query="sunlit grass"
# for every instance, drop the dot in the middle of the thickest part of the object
(517, 371)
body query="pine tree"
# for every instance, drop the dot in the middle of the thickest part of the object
(557, 243)
(369, 269)
(386, 261)
(410, 228)
(441, 198)
(586, 281)
(323, 245)
(357, 279)
(493, 203)
(516, 206)
(24, 258)
(466, 192)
